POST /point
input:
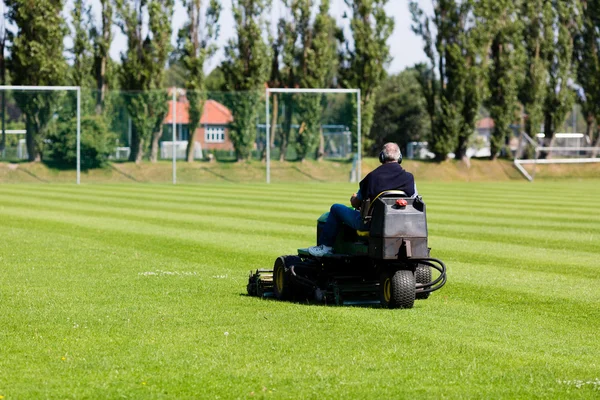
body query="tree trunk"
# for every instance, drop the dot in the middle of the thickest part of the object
(3, 82)
(287, 129)
(596, 147)
(321, 148)
(140, 152)
(155, 138)
(102, 87)
(189, 151)
(135, 147)
(461, 150)
(589, 126)
(548, 134)
(3, 111)
(33, 154)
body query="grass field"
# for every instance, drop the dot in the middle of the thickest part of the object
(138, 291)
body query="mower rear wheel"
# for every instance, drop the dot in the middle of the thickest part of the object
(398, 289)
(422, 275)
(282, 286)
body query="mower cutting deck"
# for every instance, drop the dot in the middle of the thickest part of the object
(390, 265)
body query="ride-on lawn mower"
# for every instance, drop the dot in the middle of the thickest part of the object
(390, 264)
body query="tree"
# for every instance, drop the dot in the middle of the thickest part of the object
(160, 13)
(318, 64)
(532, 91)
(102, 39)
(290, 34)
(197, 47)
(400, 111)
(587, 57)
(246, 69)
(506, 61)
(5, 37)
(37, 59)
(561, 22)
(452, 102)
(363, 66)
(143, 69)
(82, 46)
(275, 80)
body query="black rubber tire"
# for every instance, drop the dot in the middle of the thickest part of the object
(282, 285)
(423, 275)
(398, 289)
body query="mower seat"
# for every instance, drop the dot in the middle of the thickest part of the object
(366, 210)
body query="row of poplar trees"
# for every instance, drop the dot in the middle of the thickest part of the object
(306, 50)
(526, 61)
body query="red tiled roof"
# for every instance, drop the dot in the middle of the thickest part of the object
(214, 113)
(485, 123)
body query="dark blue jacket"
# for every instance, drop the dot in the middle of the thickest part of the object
(388, 176)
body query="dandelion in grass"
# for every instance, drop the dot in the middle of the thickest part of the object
(226, 334)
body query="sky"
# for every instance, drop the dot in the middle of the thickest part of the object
(406, 48)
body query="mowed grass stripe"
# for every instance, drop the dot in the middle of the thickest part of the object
(164, 214)
(174, 202)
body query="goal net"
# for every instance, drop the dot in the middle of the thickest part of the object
(563, 148)
(319, 128)
(40, 123)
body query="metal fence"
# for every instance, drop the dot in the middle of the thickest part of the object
(42, 125)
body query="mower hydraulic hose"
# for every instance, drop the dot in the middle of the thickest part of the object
(439, 281)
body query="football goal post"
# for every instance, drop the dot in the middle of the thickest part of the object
(339, 134)
(77, 89)
(563, 148)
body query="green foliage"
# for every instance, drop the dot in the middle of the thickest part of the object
(246, 69)
(143, 67)
(532, 91)
(457, 55)
(37, 59)
(564, 17)
(400, 110)
(363, 65)
(587, 48)
(112, 292)
(316, 62)
(506, 63)
(104, 68)
(81, 71)
(97, 143)
(197, 46)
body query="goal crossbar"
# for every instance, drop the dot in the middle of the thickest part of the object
(57, 89)
(268, 91)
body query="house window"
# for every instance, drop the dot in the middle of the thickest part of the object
(214, 134)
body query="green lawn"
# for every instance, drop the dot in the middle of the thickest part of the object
(138, 291)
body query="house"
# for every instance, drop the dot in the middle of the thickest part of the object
(484, 128)
(213, 131)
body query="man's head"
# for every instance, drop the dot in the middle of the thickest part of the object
(390, 153)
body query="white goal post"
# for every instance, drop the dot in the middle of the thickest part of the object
(268, 91)
(56, 89)
(581, 153)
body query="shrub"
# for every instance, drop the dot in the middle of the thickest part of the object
(97, 142)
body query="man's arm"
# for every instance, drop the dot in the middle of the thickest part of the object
(356, 200)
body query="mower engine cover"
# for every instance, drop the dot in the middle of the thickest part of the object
(398, 228)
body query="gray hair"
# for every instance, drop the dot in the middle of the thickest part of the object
(391, 152)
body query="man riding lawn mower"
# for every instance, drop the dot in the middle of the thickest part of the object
(379, 254)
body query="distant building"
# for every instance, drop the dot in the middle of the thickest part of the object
(484, 127)
(213, 131)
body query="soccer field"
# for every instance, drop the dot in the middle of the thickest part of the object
(138, 291)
